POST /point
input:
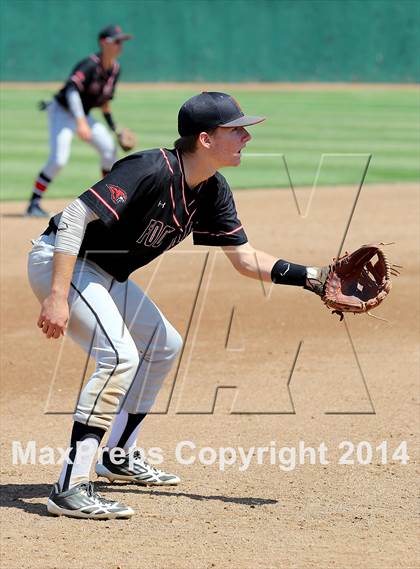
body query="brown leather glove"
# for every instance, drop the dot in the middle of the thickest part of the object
(356, 282)
(126, 139)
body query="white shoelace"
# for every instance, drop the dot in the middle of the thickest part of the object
(138, 456)
(97, 498)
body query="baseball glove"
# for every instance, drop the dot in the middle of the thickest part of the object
(357, 282)
(126, 139)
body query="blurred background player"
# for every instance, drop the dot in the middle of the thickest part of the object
(91, 84)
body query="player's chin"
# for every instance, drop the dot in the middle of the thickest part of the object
(231, 160)
(236, 159)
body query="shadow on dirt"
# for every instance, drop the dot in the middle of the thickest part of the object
(244, 501)
(16, 496)
(19, 496)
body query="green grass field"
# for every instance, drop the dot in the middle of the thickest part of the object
(346, 126)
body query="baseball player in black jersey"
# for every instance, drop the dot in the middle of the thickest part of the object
(147, 204)
(91, 84)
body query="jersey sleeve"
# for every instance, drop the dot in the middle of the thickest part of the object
(81, 75)
(110, 197)
(218, 223)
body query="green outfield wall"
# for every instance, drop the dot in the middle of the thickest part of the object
(217, 40)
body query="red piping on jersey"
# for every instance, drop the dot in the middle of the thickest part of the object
(197, 190)
(167, 161)
(76, 79)
(189, 219)
(173, 207)
(171, 189)
(104, 202)
(95, 58)
(182, 181)
(222, 233)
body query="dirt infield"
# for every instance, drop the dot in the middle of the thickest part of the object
(278, 350)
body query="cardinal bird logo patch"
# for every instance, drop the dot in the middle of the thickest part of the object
(118, 195)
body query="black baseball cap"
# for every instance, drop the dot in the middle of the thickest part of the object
(113, 32)
(209, 110)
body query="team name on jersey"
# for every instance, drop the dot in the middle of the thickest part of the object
(155, 233)
(186, 231)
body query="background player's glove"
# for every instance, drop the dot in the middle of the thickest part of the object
(356, 282)
(43, 105)
(126, 139)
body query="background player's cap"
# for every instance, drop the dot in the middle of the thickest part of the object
(113, 33)
(209, 110)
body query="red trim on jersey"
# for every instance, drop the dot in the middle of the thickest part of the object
(95, 58)
(182, 182)
(40, 187)
(167, 161)
(171, 190)
(173, 207)
(197, 190)
(105, 203)
(233, 231)
(189, 219)
(222, 233)
(77, 80)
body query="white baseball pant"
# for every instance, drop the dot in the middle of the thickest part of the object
(116, 323)
(62, 126)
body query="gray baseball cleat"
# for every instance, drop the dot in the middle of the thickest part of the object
(35, 210)
(82, 501)
(134, 468)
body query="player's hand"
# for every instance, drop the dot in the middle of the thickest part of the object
(54, 316)
(83, 130)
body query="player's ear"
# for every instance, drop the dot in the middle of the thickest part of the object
(204, 139)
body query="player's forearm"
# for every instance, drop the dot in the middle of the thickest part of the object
(262, 266)
(106, 110)
(254, 264)
(70, 233)
(106, 107)
(63, 266)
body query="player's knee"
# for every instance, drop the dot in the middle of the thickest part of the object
(55, 165)
(108, 159)
(166, 345)
(127, 358)
(122, 359)
(61, 160)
